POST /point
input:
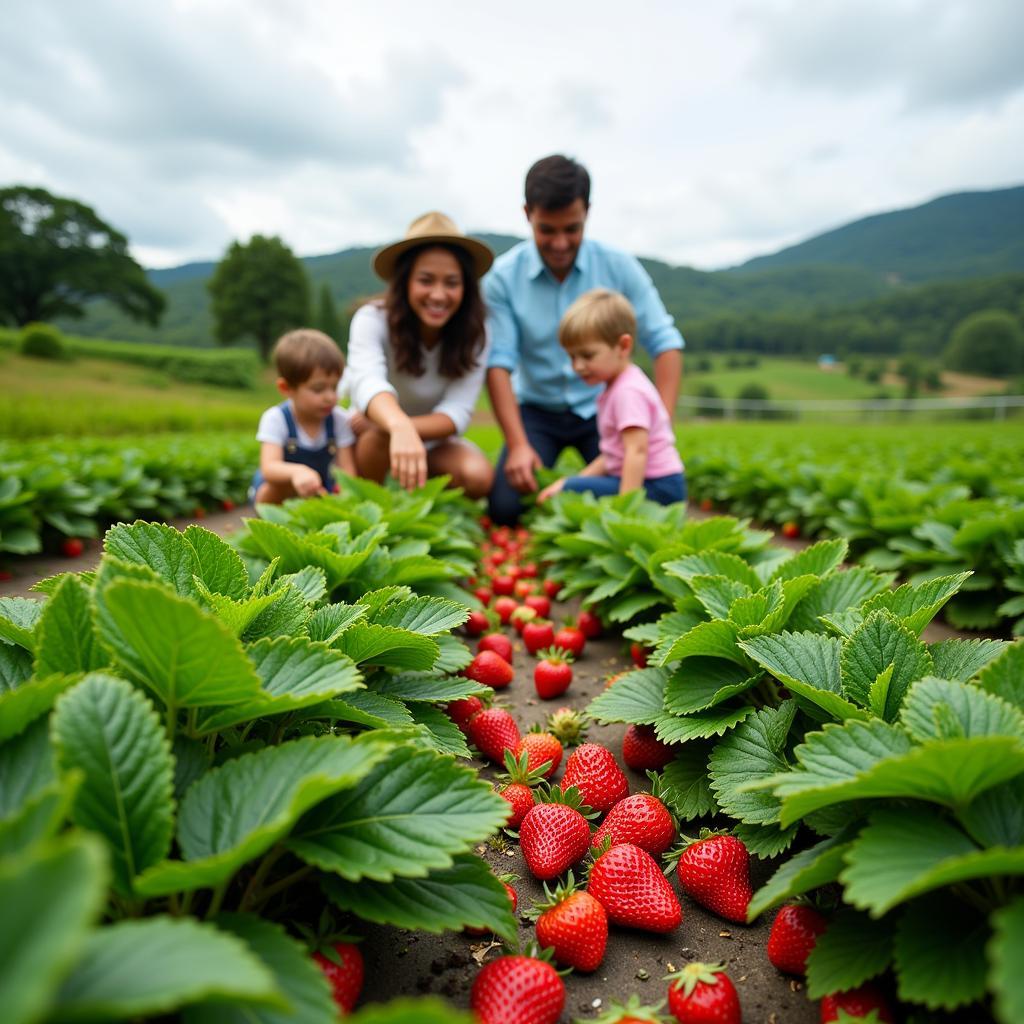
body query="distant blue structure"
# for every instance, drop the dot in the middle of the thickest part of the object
(827, 362)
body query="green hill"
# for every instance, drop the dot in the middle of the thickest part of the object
(970, 234)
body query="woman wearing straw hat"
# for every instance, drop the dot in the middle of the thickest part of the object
(417, 358)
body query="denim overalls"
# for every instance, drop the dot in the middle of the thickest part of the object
(319, 459)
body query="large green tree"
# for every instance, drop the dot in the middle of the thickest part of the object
(56, 254)
(990, 343)
(259, 290)
(327, 319)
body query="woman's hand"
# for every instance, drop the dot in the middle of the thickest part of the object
(358, 422)
(408, 456)
(520, 465)
(550, 490)
(307, 482)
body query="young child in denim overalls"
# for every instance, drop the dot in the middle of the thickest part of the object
(306, 435)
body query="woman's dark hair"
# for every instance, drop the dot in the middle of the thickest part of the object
(555, 182)
(462, 338)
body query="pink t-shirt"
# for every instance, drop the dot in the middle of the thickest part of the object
(631, 400)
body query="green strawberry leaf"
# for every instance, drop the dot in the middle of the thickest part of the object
(996, 817)
(465, 894)
(1003, 676)
(364, 707)
(297, 553)
(160, 964)
(237, 616)
(66, 639)
(29, 701)
(454, 656)
(160, 548)
(714, 563)
(424, 615)
(686, 787)
(51, 895)
(220, 567)
(18, 618)
(1006, 954)
(936, 709)
(817, 560)
(328, 623)
(27, 766)
(852, 950)
(766, 841)
(107, 729)
(15, 667)
(701, 683)
(310, 582)
(40, 817)
(425, 686)
(715, 639)
(940, 953)
(834, 594)
(444, 734)
(816, 866)
(916, 604)
(718, 593)
(236, 812)
(638, 698)
(388, 645)
(410, 816)
(624, 608)
(701, 725)
(963, 659)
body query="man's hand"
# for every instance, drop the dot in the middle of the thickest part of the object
(520, 465)
(307, 482)
(408, 456)
(550, 491)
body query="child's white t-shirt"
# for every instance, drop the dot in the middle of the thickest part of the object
(273, 429)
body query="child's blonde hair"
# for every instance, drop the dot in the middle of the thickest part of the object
(299, 353)
(599, 313)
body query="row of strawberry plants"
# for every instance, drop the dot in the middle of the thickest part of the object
(922, 508)
(201, 744)
(812, 721)
(73, 489)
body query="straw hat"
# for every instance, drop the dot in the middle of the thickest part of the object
(432, 227)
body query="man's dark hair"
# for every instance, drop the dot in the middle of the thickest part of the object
(555, 182)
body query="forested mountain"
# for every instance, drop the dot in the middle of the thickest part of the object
(970, 234)
(867, 262)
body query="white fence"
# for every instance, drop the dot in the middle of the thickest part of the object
(990, 406)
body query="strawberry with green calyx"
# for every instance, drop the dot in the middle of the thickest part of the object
(553, 673)
(518, 789)
(524, 588)
(703, 994)
(865, 1004)
(572, 924)
(555, 833)
(633, 890)
(530, 570)
(72, 547)
(795, 930)
(643, 751)
(571, 637)
(483, 595)
(641, 819)
(538, 634)
(505, 606)
(589, 624)
(521, 616)
(503, 585)
(630, 1012)
(552, 588)
(715, 871)
(497, 642)
(479, 623)
(490, 669)
(593, 770)
(539, 603)
(339, 958)
(791, 529)
(461, 711)
(638, 654)
(513, 898)
(541, 747)
(493, 731)
(568, 726)
(517, 989)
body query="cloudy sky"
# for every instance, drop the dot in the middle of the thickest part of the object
(713, 132)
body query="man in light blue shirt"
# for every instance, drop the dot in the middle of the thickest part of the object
(541, 405)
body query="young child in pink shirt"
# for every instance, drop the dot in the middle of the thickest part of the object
(638, 446)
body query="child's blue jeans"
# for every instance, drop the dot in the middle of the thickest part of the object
(665, 490)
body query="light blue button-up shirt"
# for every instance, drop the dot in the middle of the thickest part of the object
(526, 303)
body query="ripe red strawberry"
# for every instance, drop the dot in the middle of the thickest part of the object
(703, 994)
(707, 505)
(505, 606)
(537, 634)
(227, 505)
(791, 529)
(476, 623)
(573, 924)
(589, 624)
(551, 588)
(572, 639)
(631, 1012)
(633, 891)
(554, 836)
(493, 731)
(72, 547)
(530, 570)
(503, 584)
(517, 790)
(483, 595)
(497, 642)
(540, 747)
(856, 1003)
(500, 536)
(638, 653)
(517, 990)
(461, 711)
(342, 964)
(490, 669)
(485, 522)
(592, 769)
(716, 873)
(199, 512)
(642, 820)
(523, 588)
(521, 616)
(553, 673)
(643, 751)
(567, 725)
(794, 932)
(540, 604)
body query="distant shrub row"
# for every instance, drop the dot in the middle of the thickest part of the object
(226, 368)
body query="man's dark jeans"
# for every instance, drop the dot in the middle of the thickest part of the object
(550, 433)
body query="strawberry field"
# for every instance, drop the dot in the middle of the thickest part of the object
(222, 763)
